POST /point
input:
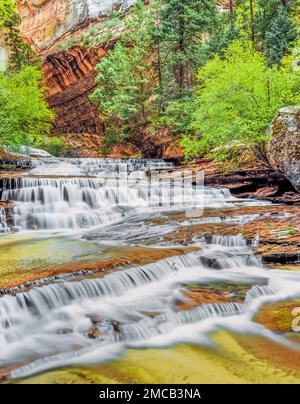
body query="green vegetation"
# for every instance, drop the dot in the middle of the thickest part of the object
(126, 89)
(215, 79)
(101, 34)
(183, 25)
(237, 98)
(281, 35)
(24, 114)
(20, 53)
(56, 146)
(174, 68)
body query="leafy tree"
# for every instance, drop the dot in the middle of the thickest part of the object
(237, 98)
(24, 113)
(126, 79)
(20, 53)
(8, 13)
(281, 36)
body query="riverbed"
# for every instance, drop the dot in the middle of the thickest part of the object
(106, 264)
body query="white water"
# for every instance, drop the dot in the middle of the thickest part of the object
(28, 151)
(3, 221)
(136, 307)
(104, 192)
(49, 321)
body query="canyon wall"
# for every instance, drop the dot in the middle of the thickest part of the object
(70, 78)
(44, 22)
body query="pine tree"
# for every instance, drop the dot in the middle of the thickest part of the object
(185, 25)
(20, 53)
(281, 36)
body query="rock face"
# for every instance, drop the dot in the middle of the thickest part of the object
(46, 21)
(283, 152)
(70, 78)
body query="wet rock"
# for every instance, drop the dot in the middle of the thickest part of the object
(283, 152)
(267, 191)
(94, 333)
(6, 204)
(278, 316)
(116, 326)
(95, 320)
(281, 258)
(251, 179)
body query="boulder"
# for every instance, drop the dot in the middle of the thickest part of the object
(283, 151)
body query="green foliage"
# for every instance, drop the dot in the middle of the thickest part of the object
(8, 13)
(281, 36)
(53, 145)
(125, 77)
(238, 96)
(24, 114)
(184, 25)
(147, 82)
(102, 33)
(56, 146)
(20, 53)
(67, 44)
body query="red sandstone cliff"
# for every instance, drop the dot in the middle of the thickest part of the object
(70, 78)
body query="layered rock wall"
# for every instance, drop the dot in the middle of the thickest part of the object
(70, 78)
(46, 21)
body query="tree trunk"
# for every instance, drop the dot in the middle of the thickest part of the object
(181, 49)
(252, 21)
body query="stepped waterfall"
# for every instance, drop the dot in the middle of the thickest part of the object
(95, 317)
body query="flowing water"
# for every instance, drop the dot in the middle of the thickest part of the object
(68, 211)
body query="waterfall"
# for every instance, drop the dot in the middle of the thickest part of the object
(132, 307)
(258, 291)
(104, 191)
(94, 166)
(24, 307)
(47, 321)
(67, 320)
(229, 241)
(162, 324)
(3, 221)
(27, 151)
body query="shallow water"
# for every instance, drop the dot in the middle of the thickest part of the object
(96, 318)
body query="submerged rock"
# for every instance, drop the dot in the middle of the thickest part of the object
(283, 152)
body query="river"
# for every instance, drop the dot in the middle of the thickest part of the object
(94, 265)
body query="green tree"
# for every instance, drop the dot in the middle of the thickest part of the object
(8, 13)
(24, 113)
(237, 98)
(126, 79)
(282, 35)
(20, 53)
(184, 28)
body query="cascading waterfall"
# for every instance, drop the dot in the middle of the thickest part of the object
(3, 221)
(48, 321)
(116, 190)
(94, 167)
(135, 307)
